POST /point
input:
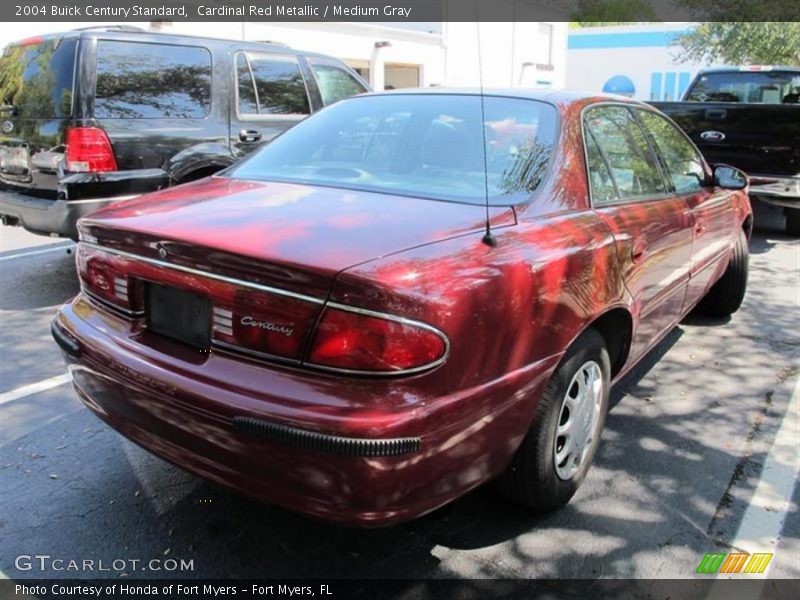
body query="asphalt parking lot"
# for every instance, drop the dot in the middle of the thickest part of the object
(699, 455)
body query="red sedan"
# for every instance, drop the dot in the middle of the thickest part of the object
(403, 297)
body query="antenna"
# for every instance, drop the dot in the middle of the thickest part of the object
(488, 238)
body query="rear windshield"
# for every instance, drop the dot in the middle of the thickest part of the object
(757, 87)
(422, 145)
(36, 78)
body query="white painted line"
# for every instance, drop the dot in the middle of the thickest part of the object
(762, 521)
(34, 388)
(62, 247)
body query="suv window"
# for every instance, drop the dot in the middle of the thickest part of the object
(632, 162)
(279, 85)
(148, 81)
(334, 82)
(681, 159)
(36, 78)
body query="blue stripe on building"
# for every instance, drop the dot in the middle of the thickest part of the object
(594, 41)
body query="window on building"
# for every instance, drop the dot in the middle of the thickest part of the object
(545, 44)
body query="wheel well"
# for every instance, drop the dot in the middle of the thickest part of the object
(199, 173)
(747, 225)
(616, 327)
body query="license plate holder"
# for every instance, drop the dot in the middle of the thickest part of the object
(178, 314)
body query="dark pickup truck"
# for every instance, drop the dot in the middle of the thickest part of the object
(749, 117)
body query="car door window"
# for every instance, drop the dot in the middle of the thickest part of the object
(680, 158)
(279, 85)
(334, 82)
(633, 165)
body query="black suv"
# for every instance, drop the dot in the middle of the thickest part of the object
(90, 117)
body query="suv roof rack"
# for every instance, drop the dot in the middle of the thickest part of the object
(131, 28)
(272, 43)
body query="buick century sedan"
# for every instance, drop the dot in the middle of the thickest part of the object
(403, 297)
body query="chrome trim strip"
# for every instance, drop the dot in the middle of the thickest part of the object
(111, 306)
(280, 292)
(110, 200)
(254, 353)
(199, 273)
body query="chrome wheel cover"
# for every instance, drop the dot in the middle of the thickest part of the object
(578, 420)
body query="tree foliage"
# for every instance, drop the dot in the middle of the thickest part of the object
(594, 13)
(768, 43)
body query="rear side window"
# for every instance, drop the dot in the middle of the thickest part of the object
(150, 81)
(600, 181)
(682, 161)
(756, 87)
(334, 82)
(36, 79)
(623, 143)
(270, 85)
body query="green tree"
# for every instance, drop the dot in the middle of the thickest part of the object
(593, 13)
(741, 43)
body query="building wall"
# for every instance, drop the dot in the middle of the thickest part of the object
(602, 58)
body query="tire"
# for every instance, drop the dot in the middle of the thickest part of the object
(533, 478)
(793, 222)
(726, 295)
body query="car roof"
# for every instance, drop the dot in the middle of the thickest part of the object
(540, 94)
(130, 33)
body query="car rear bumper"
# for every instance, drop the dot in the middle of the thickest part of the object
(777, 190)
(351, 451)
(79, 194)
(46, 216)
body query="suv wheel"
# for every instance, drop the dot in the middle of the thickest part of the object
(555, 455)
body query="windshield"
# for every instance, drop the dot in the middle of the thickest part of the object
(36, 78)
(429, 146)
(757, 87)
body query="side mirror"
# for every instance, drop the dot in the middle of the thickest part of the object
(729, 178)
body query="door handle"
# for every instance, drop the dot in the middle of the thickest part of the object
(639, 251)
(699, 227)
(249, 135)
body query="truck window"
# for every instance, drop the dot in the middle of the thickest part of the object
(150, 81)
(279, 85)
(334, 82)
(754, 87)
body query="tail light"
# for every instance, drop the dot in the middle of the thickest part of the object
(367, 343)
(89, 150)
(104, 281)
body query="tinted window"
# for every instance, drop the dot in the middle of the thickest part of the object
(418, 145)
(280, 87)
(36, 79)
(633, 165)
(335, 83)
(247, 92)
(763, 87)
(146, 81)
(682, 161)
(600, 181)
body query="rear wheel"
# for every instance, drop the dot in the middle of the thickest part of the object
(557, 451)
(793, 221)
(727, 294)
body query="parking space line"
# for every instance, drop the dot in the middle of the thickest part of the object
(35, 252)
(34, 388)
